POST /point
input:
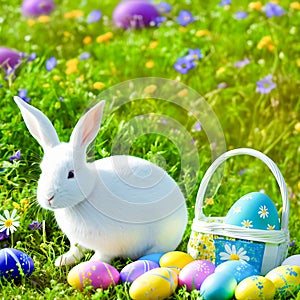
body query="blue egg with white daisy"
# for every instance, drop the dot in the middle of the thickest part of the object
(14, 264)
(254, 211)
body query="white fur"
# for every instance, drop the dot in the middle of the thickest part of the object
(120, 206)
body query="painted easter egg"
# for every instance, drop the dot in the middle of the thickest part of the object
(194, 273)
(135, 14)
(285, 278)
(255, 211)
(157, 283)
(219, 286)
(153, 257)
(35, 8)
(175, 260)
(293, 260)
(9, 58)
(135, 269)
(238, 268)
(93, 273)
(14, 263)
(255, 288)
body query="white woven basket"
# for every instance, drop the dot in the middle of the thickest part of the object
(272, 244)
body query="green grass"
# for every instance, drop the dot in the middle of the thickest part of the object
(247, 118)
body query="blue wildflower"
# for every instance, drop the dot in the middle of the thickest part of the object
(94, 16)
(51, 63)
(242, 63)
(265, 85)
(273, 10)
(239, 15)
(17, 155)
(22, 93)
(184, 64)
(225, 2)
(185, 17)
(195, 54)
(35, 225)
(163, 7)
(84, 55)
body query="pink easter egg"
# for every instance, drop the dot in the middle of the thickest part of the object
(9, 58)
(35, 8)
(135, 269)
(93, 273)
(194, 273)
(135, 14)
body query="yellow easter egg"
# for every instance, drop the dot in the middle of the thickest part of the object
(175, 260)
(255, 288)
(157, 284)
(285, 278)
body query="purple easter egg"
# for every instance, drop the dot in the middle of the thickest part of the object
(15, 263)
(35, 8)
(9, 59)
(135, 269)
(194, 273)
(135, 14)
(153, 257)
(93, 273)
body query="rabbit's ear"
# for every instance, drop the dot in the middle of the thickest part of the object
(87, 127)
(38, 124)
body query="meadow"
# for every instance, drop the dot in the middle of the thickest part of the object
(245, 66)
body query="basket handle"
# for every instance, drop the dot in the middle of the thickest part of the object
(248, 151)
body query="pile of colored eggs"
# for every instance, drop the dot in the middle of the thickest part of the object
(156, 276)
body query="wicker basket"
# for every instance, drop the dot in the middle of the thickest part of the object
(266, 249)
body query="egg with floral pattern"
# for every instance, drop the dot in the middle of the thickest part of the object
(93, 273)
(254, 211)
(15, 263)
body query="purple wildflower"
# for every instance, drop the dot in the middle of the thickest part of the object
(3, 236)
(94, 16)
(31, 57)
(185, 17)
(195, 54)
(158, 20)
(222, 85)
(22, 93)
(17, 155)
(239, 15)
(265, 85)
(198, 126)
(184, 64)
(240, 64)
(51, 63)
(35, 225)
(225, 2)
(273, 9)
(241, 172)
(84, 55)
(163, 7)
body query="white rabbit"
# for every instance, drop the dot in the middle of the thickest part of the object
(119, 206)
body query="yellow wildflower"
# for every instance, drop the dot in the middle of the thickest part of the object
(72, 66)
(31, 22)
(73, 14)
(153, 44)
(298, 62)
(266, 42)
(46, 85)
(209, 201)
(297, 126)
(202, 32)
(295, 5)
(67, 34)
(98, 85)
(43, 19)
(56, 77)
(104, 37)
(57, 105)
(220, 71)
(87, 40)
(149, 64)
(255, 5)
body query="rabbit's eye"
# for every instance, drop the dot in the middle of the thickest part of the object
(71, 174)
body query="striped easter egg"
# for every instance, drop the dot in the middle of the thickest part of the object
(175, 260)
(93, 273)
(157, 283)
(135, 269)
(15, 263)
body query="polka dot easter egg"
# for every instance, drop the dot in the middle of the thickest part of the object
(158, 283)
(93, 273)
(135, 269)
(285, 278)
(175, 260)
(15, 263)
(255, 288)
(194, 273)
(254, 211)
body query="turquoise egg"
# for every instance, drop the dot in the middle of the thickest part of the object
(254, 211)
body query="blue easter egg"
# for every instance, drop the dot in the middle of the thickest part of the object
(254, 211)
(238, 268)
(135, 269)
(218, 286)
(14, 263)
(153, 257)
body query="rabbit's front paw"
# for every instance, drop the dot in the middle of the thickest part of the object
(100, 257)
(74, 255)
